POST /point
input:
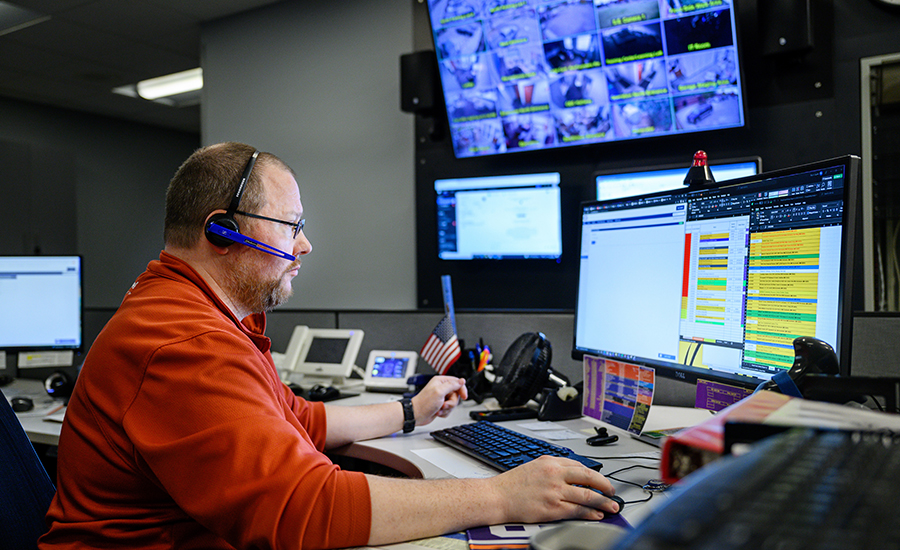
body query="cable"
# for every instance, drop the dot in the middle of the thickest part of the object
(695, 354)
(624, 457)
(626, 468)
(687, 351)
(611, 474)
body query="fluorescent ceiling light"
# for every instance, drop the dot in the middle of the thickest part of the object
(171, 85)
(14, 18)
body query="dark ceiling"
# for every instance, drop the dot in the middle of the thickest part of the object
(88, 47)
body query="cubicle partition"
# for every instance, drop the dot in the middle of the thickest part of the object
(873, 349)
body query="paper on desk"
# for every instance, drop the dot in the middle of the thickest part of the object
(455, 463)
(56, 415)
(551, 431)
(453, 541)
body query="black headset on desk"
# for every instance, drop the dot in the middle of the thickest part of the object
(223, 230)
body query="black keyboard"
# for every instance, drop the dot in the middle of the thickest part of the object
(501, 447)
(803, 489)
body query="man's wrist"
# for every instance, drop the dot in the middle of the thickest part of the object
(409, 415)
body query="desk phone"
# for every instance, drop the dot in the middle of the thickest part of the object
(388, 370)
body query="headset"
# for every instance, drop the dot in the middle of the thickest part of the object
(223, 230)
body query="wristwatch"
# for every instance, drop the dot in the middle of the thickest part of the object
(409, 417)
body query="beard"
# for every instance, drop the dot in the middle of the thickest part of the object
(254, 294)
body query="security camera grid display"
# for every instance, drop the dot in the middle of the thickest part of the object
(531, 74)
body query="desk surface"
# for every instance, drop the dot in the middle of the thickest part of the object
(407, 453)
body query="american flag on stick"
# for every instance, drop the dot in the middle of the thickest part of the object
(442, 347)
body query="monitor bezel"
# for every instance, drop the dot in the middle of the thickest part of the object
(81, 345)
(850, 229)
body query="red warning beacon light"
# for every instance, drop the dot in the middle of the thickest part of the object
(699, 173)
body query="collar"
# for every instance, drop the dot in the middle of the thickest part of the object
(174, 268)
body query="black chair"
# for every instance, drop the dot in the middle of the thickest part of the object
(25, 487)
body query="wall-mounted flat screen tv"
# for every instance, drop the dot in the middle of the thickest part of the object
(521, 75)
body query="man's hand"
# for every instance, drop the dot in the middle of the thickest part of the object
(551, 488)
(543, 490)
(438, 398)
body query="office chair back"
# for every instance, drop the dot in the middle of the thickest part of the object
(25, 487)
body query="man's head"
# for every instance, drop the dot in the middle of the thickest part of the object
(204, 186)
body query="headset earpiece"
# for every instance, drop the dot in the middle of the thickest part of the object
(225, 220)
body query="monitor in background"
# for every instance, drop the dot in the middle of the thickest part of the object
(519, 76)
(499, 217)
(716, 284)
(41, 303)
(616, 184)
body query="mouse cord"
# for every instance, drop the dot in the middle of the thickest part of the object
(611, 474)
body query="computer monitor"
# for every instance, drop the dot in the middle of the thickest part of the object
(716, 284)
(41, 303)
(526, 76)
(499, 217)
(615, 184)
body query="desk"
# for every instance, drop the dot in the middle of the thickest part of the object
(399, 451)
(38, 430)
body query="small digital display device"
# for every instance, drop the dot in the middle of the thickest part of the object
(388, 370)
(321, 355)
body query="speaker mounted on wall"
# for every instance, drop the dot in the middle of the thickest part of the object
(419, 82)
(785, 26)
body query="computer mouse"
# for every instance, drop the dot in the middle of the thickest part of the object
(323, 393)
(21, 404)
(616, 498)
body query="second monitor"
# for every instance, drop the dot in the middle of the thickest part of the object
(499, 217)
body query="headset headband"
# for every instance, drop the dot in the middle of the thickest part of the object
(236, 199)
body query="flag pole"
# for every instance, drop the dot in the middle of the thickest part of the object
(447, 292)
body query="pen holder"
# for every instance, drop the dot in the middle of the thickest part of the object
(464, 367)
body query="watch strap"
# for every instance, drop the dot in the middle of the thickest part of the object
(409, 417)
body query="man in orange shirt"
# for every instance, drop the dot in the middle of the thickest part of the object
(180, 434)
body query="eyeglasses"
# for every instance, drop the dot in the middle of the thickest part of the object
(298, 226)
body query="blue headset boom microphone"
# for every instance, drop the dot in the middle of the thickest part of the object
(223, 230)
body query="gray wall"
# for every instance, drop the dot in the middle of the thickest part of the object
(317, 83)
(95, 186)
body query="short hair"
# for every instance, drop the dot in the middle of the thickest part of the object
(207, 181)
